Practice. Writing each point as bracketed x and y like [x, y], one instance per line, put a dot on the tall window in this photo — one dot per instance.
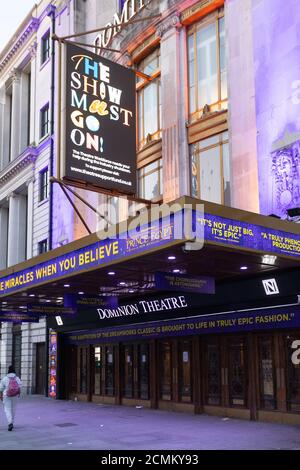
[149, 99]
[207, 65]
[44, 185]
[45, 47]
[211, 169]
[151, 180]
[44, 121]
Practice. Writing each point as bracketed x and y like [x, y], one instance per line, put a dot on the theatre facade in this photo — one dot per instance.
[202, 320]
[160, 335]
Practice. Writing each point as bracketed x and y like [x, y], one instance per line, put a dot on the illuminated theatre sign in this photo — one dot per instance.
[158, 234]
[130, 8]
[100, 136]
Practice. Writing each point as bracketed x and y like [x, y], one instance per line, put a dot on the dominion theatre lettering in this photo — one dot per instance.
[130, 9]
[144, 306]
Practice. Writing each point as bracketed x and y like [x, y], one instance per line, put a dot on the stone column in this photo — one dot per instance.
[242, 111]
[26, 360]
[15, 114]
[2, 121]
[6, 347]
[30, 196]
[17, 223]
[5, 121]
[24, 112]
[3, 236]
[174, 108]
[32, 117]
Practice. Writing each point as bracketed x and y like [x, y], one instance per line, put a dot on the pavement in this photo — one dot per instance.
[45, 424]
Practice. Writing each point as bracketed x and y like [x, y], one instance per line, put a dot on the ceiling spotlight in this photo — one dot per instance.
[131, 291]
[31, 295]
[176, 271]
[80, 293]
[66, 285]
[122, 283]
[269, 259]
[171, 258]
[243, 268]
[111, 273]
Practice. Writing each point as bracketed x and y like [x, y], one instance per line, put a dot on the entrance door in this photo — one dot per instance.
[165, 364]
[135, 371]
[185, 370]
[40, 369]
[143, 371]
[237, 372]
[128, 371]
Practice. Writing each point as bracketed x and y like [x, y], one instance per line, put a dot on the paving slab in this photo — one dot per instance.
[45, 424]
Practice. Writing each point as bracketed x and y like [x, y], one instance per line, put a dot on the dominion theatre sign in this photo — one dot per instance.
[130, 8]
[144, 306]
[152, 236]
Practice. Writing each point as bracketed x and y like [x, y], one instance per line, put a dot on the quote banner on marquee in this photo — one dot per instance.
[99, 122]
[184, 283]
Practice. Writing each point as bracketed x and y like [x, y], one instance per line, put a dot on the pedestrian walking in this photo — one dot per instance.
[10, 389]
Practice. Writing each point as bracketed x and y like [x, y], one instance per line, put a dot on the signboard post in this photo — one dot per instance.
[100, 122]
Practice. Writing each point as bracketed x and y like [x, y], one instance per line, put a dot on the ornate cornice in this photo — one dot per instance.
[32, 49]
[27, 32]
[172, 21]
[15, 75]
[26, 158]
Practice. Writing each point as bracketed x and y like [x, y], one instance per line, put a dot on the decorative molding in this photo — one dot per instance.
[288, 139]
[27, 32]
[50, 10]
[138, 51]
[207, 126]
[32, 49]
[11, 195]
[26, 158]
[15, 75]
[286, 177]
[199, 7]
[31, 180]
[172, 21]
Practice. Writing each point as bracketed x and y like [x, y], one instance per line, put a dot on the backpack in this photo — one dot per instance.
[13, 387]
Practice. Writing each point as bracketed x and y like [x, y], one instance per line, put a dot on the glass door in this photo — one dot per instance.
[109, 371]
[266, 373]
[165, 363]
[212, 367]
[185, 368]
[97, 370]
[237, 372]
[128, 371]
[143, 371]
[83, 369]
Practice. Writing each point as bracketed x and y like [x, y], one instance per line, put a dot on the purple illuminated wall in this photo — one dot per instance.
[276, 49]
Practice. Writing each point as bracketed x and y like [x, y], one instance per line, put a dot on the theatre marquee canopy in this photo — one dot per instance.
[263, 244]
